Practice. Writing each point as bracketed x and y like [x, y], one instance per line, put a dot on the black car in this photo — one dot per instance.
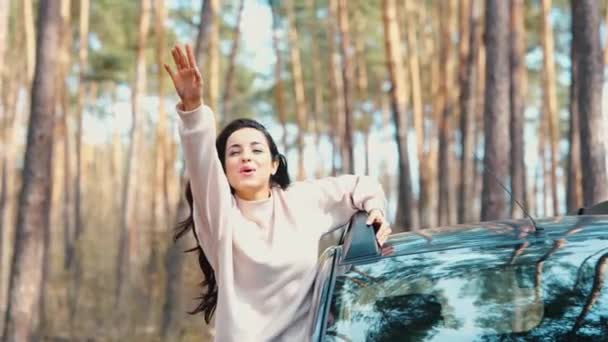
[512, 280]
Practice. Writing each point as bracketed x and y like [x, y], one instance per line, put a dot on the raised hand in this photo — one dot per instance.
[187, 79]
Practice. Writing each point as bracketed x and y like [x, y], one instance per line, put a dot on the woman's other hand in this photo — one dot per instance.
[187, 78]
[377, 219]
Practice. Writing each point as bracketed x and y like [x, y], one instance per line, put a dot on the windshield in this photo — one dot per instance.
[543, 291]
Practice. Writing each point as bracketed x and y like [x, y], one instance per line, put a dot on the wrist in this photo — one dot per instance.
[188, 105]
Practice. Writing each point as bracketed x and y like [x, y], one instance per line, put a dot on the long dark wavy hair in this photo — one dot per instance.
[208, 299]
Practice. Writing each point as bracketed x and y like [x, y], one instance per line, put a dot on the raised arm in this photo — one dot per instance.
[213, 202]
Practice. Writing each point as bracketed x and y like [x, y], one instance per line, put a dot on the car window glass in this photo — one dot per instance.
[548, 291]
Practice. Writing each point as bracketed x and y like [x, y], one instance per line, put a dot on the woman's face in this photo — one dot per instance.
[249, 164]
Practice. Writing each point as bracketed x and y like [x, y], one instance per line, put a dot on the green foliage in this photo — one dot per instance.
[108, 65]
[113, 40]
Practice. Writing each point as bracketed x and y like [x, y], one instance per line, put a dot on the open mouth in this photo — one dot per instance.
[246, 171]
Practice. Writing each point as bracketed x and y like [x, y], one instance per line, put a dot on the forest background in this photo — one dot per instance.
[423, 95]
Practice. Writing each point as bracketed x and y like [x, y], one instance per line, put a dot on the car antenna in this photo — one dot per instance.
[488, 170]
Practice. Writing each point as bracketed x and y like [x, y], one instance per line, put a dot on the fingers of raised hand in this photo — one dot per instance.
[180, 59]
[170, 72]
[185, 61]
[183, 58]
[176, 59]
[192, 62]
[190, 56]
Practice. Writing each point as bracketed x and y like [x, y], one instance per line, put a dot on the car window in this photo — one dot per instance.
[543, 291]
[321, 290]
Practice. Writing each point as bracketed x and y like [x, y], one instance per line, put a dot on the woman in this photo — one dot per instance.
[259, 233]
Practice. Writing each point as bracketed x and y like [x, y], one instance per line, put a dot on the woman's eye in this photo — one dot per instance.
[233, 153]
[257, 151]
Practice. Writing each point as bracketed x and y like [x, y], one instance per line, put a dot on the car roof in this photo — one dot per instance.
[505, 232]
[492, 233]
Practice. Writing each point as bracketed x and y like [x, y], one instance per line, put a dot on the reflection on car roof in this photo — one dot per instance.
[493, 233]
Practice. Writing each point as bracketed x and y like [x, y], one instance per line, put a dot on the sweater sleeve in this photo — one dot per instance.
[213, 201]
[341, 197]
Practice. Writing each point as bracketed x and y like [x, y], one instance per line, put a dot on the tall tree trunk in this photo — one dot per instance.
[159, 206]
[446, 211]
[214, 57]
[74, 258]
[158, 152]
[361, 77]
[127, 243]
[338, 105]
[160, 199]
[361, 117]
[364, 121]
[428, 192]
[428, 189]
[30, 39]
[298, 83]
[4, 11]
[8, 188]
[574, 193]
[76, 267]
[348, 162]
[542, 155]
[207, 49]
[468, 84]
[606, 39]
[496, 152]
[62, 137]
[5, 7]
[414, 67]
[173, 307]
[318, 83]
[82, 62]
[414, 73]
[278, 72]
[517, 91]
[590, 81]
[67, 199]
[34, 200]
[65, 138]
[550, 99]
[406, 217]
[201, 48]
[236, 37]
[41, 325]
[3, 200]
[480, 105]
[117, 159]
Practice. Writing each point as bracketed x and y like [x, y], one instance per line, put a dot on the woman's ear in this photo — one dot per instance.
[275, 166]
